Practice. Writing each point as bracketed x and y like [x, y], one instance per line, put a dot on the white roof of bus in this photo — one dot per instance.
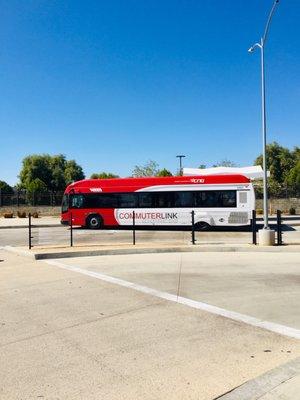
[252, 172]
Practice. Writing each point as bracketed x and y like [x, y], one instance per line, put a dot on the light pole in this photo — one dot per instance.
[180, 156]
[261, 46]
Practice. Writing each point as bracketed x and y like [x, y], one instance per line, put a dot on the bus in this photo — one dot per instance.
[217, 200]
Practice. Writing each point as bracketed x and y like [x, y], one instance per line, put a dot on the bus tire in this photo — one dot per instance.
[202, 226]
[94, 221]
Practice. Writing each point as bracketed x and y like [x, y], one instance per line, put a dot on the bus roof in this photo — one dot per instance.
[134, 184]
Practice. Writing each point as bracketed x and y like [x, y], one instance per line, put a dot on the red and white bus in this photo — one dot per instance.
[217, 200]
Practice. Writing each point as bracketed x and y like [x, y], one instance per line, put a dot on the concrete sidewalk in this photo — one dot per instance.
[13, 223]
[69, 336]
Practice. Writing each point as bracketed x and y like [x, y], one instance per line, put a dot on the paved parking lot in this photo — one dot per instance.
[262, 285]
[68, 334]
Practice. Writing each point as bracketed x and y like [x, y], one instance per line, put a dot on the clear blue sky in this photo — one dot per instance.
[116, 83]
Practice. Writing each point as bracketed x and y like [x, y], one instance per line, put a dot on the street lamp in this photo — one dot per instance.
[180, 156]
[261, 46]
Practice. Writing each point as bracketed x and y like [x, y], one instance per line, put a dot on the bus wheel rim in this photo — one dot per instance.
[94, 221]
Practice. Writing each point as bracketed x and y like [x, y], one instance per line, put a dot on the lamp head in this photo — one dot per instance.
[252, 48]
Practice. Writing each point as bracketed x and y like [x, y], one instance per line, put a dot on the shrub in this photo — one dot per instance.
[8, 215]
[259, 211]
[292, 211]
[21, 214]
[35, 214]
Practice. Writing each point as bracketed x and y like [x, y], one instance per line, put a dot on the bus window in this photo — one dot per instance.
[77, 201]
[65, 203]
[205, 199]
[184, 199]
[146, 200]
[164, 199]
[107, 200]
[127, 200]
[215, 198]
[229, 198]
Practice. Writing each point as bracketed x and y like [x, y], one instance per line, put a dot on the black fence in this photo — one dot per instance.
[38, 236]
[23, 198]
[72, 236]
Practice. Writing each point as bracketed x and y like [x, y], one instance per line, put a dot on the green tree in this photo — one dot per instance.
[6, 188]
[296, 154]
[34, 190]
[73, 172]
[293, 180]
[164, 172]
[202, 166]
[280, 161]
[36, 186]
[57, 166]
[36, 167]
[149, 169]
[104, 175]
[55, 172]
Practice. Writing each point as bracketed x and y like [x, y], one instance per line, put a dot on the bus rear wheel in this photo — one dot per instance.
[94, 222]
[202, 226]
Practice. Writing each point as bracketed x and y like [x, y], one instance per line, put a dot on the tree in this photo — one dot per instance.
[225, 163]
[57, 165]
[280, 161]
[73, 172]
[6, 188]
[149, 169]
[36, 167]
[36, 186]
[293, 179]
[202, 166]
[54, 173]
[164, 172]
[34, 190]
[104, 175]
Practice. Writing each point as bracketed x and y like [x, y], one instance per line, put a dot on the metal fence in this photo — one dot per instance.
[75, 236]
[24, 198]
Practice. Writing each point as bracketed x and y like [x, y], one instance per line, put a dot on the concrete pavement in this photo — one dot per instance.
[261, 285]
[14, 223]
[65, 335]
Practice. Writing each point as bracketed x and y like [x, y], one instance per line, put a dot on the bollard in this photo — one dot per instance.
[279, 228]
[193, 227]
[253, 226]
[29, 231]
[71, 230]
[133, 227]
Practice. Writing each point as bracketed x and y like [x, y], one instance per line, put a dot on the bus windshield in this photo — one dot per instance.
[65, 203]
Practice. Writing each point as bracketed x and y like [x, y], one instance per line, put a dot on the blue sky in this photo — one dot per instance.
[115, 83]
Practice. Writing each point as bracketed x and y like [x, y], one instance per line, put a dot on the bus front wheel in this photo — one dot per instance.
[202, 226]
[94, 222]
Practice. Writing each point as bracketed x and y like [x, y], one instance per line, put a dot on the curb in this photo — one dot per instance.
[265, 383]
[153, 250]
